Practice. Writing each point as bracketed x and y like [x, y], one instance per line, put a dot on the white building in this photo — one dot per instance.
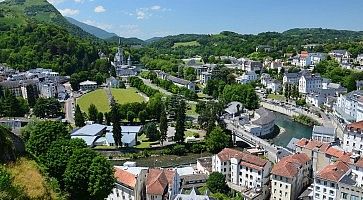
[309, 83]
[346, 107]
[353, 138]
[205, 77]
[274, 86]
[247, 77]
[290, 176]
[342, 56]
[291, 78]
[162, 184]
[262, 123]
[324, 134]
[265, 79]
[87, 85]
[129, 183]
[243, 170]
[360, 59]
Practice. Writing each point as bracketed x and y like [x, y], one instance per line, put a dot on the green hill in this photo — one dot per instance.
[126, 41]
[100, 33]
[15, 13]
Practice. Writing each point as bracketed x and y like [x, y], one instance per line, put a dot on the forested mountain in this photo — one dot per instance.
[100, 33]
[15, 13]
[126, 41]
[230, 43]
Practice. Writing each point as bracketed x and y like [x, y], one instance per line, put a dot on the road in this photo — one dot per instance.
[69, 104]
[148, 83]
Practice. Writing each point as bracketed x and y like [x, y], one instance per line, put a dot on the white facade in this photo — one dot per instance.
[353, 138]
[247, 77]
[309, 83]
[87, 85]
[274, 85]
[347, 108]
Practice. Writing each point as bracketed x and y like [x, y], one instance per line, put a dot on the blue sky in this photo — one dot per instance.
[150, 18]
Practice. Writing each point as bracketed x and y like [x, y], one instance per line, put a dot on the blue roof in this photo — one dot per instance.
[89, 130]
[127, 138]
[127, 129]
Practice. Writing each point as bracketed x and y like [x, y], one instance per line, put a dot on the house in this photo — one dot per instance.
[346, 107]
[178, 81]
[324, 134]
[265, 79]
[360, 59]
[19, 88]
[112, 82]
[190, 178]
[291, 78]
[247, 77]
[205, 77]
[342, 56]
[204, 165]
[193, 195]
[87, 85]
[264, 48]
[308, 83]
[353, 138]
[243, 170]
[274, 86]
[250, 65]
[234, 109]
[290, 176]
[129, 184]
[161, 184]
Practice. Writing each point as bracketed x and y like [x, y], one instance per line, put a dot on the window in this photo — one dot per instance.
[344, 195]
[332, 184]
[331, 192]
[317, 195]
[324, 190]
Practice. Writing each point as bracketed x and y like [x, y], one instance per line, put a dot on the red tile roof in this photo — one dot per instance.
[125, 177]
[158, 180]
[356, 126]
[359, 163]
[289, 166]
[333, 172]
[312, 144]
[227, 154]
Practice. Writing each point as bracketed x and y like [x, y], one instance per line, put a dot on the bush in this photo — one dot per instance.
[197, 148]
[179, 150]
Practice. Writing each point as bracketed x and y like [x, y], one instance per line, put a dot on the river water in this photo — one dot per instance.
[290, 129]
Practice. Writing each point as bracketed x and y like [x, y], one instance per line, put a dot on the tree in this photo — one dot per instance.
[32, 95]
[180, 121]
[216, 183]
[58, 155]
[101, 178]
[142, 116]
[163, 126]
[242, 93]
[12, 106]
[217, 140]
[47, 108]
[78, 117]
[43, 134]
[131, 116]
[100, 118]
[108, 118]
[151, 131]
[92, 113]
[77, 173]
[154, 106]
[116, 125]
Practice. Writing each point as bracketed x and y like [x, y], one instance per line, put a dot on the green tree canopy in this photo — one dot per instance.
[217, 140]
[216, 183]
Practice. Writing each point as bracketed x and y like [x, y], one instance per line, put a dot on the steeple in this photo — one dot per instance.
[129, 62]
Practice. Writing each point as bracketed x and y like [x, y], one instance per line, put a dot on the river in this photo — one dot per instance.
[290, 129]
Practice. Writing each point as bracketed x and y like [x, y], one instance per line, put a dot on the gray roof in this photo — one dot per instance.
[90, 130]
[292, 143]
[88, 139]
[127, 138]
[292, 75]
[354, 94]
[232, 107]
[194, 195]
[324, 130]
[265, 116]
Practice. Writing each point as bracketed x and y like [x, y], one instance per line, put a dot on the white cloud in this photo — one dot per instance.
[79, 1]
[129, 30]
[145, 13]
[99, 25]
[69, 12]
[100, 9]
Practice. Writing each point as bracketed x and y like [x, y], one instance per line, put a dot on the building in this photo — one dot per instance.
[250, 65]
[113, 82]
[19, 88]
[193, 195]
[265, 79]
[247, 77]
[309, 83]
[342, 56]
[324, 134]
[161, 184]
[263, 48]
[204, 165]
[290, 176]
[190, 178]
[123, 68]
[321, 153]
[360, 59]
[129, 184]
[346, 107]
[101, 135]
[353, 138]
[262, 123]
[205, 77]
[274, 86]
[87, 85]
[291, 78]
[243, 170]
[177, 81]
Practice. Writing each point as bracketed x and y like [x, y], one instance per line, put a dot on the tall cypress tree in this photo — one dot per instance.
[163, 126]
[32, 95]
[116, 125]
[180, 121]
[92, 113]
[78, 117]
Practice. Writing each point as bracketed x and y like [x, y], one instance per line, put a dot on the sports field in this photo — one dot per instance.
[128, 95]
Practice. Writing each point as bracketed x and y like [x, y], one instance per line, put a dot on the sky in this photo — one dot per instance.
[154, 18]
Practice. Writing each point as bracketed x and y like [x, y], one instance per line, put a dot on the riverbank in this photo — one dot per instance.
[303, 119]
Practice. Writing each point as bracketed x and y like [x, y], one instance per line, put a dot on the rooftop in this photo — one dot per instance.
[157, 181]
[263, 117]
[334, 172]
[289, 166]
[324, 130]
[227, 154]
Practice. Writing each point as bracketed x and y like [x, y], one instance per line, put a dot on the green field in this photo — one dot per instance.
[128, 95]
[97, 97]
[191, 109]
[186, 44]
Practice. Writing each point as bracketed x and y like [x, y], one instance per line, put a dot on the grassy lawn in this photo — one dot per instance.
[144, 142]
[97, 97]
[27, 175]
[189, 133]
[191, 109]
[128, 95]
[276, 97]
[186, 44]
